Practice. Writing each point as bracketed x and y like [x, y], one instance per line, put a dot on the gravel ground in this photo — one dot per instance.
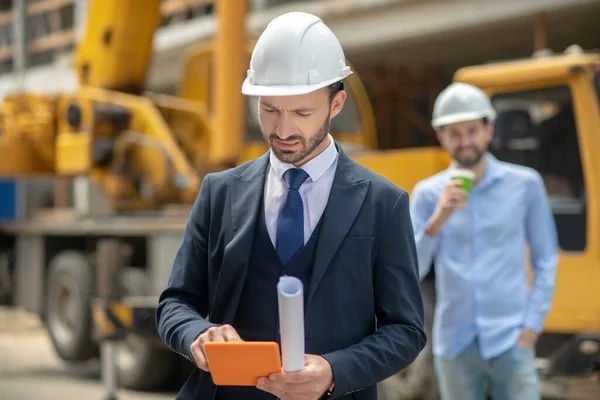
[30, 370]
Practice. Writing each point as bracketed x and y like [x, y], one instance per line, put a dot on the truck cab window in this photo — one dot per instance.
[538, 129]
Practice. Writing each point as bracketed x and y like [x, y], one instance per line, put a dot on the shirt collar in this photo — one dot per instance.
[315, 168]
[493, 170]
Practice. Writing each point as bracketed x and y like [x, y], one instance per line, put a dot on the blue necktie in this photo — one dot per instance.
[290, 225]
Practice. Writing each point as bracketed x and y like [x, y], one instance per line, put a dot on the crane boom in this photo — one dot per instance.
[132, 146]
[116, 48]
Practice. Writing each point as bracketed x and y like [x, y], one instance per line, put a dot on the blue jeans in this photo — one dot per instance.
[509, 376]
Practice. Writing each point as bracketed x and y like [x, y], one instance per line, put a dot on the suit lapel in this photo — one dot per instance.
[246, 194]
[348, 193]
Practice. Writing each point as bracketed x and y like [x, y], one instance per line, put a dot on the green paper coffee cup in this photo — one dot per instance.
[466, 176]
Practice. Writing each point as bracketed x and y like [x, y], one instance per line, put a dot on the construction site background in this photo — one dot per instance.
[404, 53]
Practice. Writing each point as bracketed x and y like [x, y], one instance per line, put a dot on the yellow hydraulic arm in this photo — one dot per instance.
[108, 131]
[147, 150]
[116, 48]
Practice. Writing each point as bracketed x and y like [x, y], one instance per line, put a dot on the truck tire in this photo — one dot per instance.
[143, 364]
[418, 381]
[69, 292]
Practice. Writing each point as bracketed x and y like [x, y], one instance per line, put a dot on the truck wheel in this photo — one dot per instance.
[70, 289]
[144, 366]
[418, 381]
[142, 363]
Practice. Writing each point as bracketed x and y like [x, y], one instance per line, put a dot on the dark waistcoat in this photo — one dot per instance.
[257, 317]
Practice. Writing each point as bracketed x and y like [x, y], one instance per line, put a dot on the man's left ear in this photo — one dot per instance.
[337, 103]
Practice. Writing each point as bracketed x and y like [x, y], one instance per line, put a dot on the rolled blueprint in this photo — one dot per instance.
[291, 322]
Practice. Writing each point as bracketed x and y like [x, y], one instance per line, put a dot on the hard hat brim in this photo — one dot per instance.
[249, 89]
[462, 117]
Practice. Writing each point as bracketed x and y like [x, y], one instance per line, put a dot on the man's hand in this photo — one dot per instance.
[225, 333]
[527, 339]
[451, 199]
[308, 384]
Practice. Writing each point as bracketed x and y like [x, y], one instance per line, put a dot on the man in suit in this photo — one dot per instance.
[303, 209]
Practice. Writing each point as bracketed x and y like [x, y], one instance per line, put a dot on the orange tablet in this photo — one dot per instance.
[241, 363]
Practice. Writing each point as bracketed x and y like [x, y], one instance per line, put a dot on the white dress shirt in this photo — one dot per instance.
[314, 191]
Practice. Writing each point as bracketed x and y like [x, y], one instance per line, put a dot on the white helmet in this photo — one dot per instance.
[461, 102]
[296, 54]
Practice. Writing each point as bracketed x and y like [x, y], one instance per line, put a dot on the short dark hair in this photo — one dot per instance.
[334, 88]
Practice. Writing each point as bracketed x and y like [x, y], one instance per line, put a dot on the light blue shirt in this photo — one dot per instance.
[480, 258]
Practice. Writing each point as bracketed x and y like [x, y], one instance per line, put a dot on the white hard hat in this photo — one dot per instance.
[461, 102]
[296, 54]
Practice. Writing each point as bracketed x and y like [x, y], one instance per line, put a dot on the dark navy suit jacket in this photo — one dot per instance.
[364, 311]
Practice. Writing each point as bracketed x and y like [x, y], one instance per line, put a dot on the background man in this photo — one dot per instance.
[303, 209]
[486, 321]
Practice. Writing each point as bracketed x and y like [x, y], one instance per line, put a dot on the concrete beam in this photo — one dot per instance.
[363, 27]
[359, 24]
[366, 25]
[428, 19]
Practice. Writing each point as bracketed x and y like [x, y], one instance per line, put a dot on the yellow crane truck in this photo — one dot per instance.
[548, 119]
[112, 161]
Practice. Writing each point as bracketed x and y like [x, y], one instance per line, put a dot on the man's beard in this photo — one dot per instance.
[306, 146]
[470, 161]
